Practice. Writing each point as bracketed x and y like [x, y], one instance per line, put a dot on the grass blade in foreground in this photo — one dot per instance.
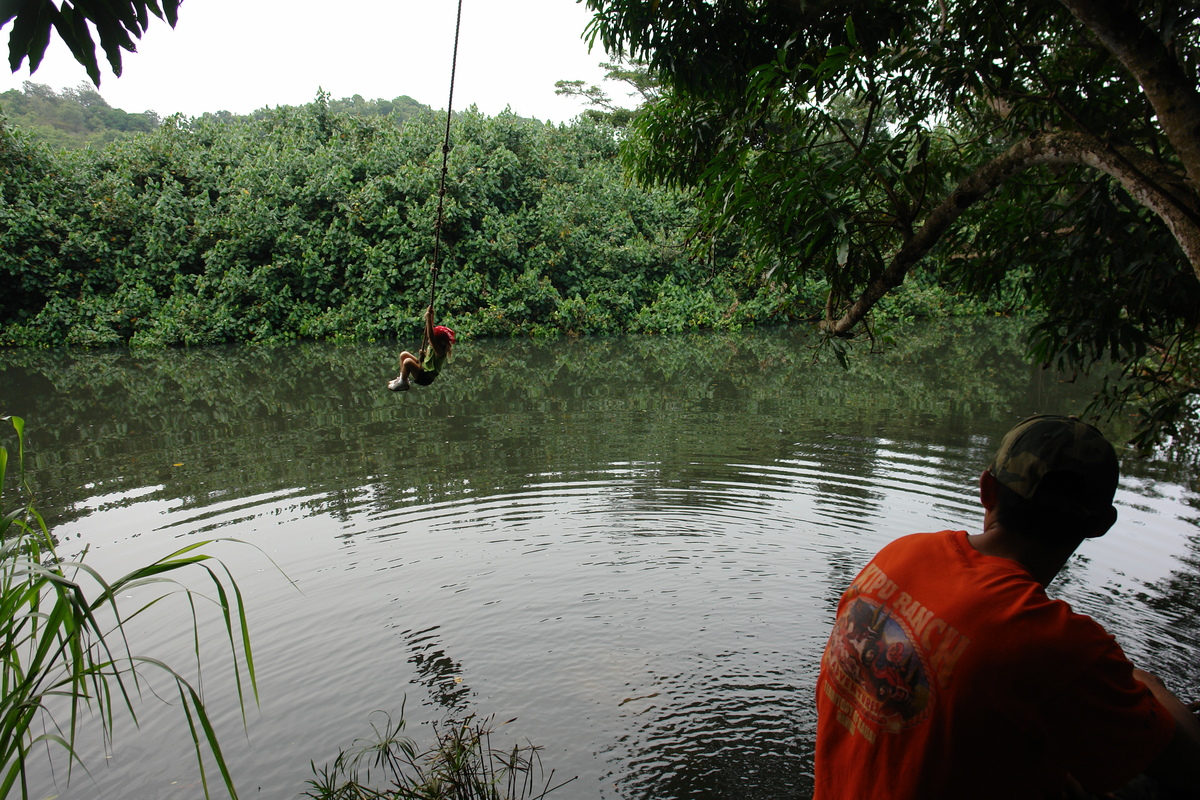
[55, 648]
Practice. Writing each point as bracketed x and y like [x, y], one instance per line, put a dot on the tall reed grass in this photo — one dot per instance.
[66, 661]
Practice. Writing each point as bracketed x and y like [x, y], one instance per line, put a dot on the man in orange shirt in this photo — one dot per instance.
[951, 674]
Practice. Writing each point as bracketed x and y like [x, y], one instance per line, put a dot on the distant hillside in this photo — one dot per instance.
[72, 119]
[401, 109]
[77, 118]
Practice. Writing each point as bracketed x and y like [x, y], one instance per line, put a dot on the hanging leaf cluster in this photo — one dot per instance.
[118, 23]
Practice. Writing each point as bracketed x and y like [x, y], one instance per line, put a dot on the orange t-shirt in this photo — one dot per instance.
[951, 674]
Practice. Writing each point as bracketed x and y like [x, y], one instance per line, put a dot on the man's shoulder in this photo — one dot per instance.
[925, 539]
[987, 593]
[947, 542]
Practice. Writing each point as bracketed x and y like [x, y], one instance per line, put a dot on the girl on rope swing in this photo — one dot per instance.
[424, 366]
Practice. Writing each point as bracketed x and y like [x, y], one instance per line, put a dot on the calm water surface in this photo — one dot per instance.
[633, 547]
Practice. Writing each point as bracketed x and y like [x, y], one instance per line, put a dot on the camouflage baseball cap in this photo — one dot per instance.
[1058, 463]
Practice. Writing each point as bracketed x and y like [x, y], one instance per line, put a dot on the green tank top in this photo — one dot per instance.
[433, 362]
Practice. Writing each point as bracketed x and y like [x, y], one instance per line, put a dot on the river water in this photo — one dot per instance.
[631, 546]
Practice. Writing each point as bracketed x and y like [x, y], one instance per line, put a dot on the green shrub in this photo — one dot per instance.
[306, 223]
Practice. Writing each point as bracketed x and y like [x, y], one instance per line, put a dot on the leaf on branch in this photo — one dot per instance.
[30, 35]
[75, 33]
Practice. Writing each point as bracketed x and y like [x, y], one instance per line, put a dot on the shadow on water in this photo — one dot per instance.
[635, 544]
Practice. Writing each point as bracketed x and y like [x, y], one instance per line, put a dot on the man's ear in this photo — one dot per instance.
[988, 489]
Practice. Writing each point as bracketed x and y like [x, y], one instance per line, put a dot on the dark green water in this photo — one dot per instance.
[632, 546]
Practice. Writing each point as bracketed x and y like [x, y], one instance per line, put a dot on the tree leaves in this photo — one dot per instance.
[309, 223]
[117, 22]
[932, 133]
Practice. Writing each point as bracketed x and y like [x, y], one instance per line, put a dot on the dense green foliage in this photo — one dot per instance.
[310, 224]
[839, 152]
[74, 118]
[870, 142]
[67, 644]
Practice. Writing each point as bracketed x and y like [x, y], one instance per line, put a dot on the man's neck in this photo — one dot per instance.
[1043, 561]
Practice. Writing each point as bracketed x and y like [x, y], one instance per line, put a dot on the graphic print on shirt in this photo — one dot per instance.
[877, 672]
[888, 657]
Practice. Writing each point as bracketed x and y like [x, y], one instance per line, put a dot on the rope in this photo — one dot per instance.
[437, 228]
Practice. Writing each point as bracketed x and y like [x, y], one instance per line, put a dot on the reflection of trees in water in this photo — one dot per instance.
[437, 672]
[244, 421]
[1173, 634]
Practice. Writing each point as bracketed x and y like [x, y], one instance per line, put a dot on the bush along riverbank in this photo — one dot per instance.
[303, 223]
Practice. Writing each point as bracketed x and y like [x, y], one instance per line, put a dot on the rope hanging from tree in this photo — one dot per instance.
[437, 227]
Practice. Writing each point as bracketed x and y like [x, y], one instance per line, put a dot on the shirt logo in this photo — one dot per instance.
[877, 675]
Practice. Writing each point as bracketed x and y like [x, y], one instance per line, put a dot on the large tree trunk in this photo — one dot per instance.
[1146, 180]
[1173, 96]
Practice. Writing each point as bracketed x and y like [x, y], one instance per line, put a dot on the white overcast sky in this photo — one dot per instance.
[241, 55]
